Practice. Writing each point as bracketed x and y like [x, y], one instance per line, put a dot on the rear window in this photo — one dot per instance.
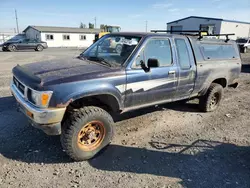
[218, 51]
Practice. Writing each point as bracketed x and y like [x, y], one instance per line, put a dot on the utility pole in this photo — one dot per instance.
[16, 22]
[95, 22]
[146, 25]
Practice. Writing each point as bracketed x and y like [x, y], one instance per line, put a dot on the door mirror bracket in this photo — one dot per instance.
[144, 67]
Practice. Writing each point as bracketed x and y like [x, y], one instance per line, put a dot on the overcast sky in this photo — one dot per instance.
[131, 15]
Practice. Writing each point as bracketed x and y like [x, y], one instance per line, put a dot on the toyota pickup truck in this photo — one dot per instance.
[76, 97]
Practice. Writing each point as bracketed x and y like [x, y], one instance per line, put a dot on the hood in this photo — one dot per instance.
[9, 42]
[61, 70]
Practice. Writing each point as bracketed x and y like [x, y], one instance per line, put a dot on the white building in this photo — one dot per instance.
[62, 36]
[212, 25]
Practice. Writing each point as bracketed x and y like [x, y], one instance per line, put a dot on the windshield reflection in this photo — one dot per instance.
[112, 49]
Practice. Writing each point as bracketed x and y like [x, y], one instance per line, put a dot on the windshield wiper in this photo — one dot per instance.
[99, 60]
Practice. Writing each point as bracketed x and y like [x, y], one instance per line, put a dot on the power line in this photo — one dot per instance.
[16, 22]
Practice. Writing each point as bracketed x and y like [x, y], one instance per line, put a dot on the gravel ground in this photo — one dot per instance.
[172, 145]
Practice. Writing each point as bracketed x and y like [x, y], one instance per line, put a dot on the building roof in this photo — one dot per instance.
[52, 29]
[219, 19]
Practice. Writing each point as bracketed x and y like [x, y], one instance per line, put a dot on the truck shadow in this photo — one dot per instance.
[212, 164]
[181, 106]
[20, 141]
[32, 145]
[199, 164]
[245, 68]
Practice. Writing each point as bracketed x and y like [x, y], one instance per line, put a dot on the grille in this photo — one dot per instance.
[19, 85]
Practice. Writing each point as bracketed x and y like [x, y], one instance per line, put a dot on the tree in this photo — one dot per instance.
[91, 26]
[102, 26]
[82, 25]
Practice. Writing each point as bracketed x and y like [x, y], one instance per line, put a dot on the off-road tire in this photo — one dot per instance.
[206, 101]
[75, 123]
[39, 48]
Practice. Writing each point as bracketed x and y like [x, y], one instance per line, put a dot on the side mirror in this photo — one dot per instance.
[153, 63]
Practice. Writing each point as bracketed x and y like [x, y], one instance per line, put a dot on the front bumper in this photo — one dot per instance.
[46, 119]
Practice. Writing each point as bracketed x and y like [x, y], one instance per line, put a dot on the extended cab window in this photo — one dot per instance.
[218, 51]
[182, 52]
[159, 49]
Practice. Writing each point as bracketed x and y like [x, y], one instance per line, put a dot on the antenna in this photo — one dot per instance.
[16, 22]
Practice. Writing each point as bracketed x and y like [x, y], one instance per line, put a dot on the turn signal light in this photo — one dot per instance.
[45, 99]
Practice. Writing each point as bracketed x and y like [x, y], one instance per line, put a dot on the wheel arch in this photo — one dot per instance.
[221, 81]
[107, 102]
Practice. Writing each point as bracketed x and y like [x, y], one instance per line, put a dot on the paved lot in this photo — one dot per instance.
[173, 145]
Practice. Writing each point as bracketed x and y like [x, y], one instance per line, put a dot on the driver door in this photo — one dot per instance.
[160, 83]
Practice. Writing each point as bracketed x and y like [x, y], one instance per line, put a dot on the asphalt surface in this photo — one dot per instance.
[172, 145]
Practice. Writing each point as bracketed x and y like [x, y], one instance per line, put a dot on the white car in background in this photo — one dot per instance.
[243, 44]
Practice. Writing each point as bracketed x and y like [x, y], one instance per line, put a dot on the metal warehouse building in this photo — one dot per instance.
[62, 36]
[211, 25]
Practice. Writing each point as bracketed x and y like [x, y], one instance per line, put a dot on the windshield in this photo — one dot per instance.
[241, 40]
[112, 49]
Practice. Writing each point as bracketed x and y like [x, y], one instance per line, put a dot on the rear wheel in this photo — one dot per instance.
[39, 48]
[211, 100]
[86, 132]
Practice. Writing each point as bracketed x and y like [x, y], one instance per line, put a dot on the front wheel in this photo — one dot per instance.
[211, 100]
[86, 132]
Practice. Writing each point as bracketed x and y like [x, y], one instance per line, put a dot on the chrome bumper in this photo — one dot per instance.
[44, 119]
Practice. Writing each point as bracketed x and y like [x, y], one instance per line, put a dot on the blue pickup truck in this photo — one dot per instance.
[75, 97]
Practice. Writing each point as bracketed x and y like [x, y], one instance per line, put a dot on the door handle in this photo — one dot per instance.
[171, 72]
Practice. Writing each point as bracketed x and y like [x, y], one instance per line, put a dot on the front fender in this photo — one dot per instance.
[67, 93]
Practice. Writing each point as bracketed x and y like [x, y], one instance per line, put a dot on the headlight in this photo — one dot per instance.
[41, 98]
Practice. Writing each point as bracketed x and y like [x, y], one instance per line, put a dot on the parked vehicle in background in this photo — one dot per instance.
[115, 44]
[76, 97]
[24, 44]
[244, 44]
[106, 30]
